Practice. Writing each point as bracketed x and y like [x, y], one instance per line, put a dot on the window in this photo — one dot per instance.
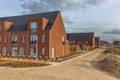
[0, 27]
[63, 40]
[70, 42]
[43, 51]
[4, 51]
[14, 39]
[14, 51]
[86, 42]
[73, 41]
[34, 27]
[43, 38]
[33, 39]
[21, 51]
[5, 38]
[80, 42]
[33, 52]
[0, 38]
[23, 38]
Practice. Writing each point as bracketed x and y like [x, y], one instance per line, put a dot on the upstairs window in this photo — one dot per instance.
[5, 38]
[33, 39]
[14, 39]
[23, 38]
[43, 38]
[34, 27]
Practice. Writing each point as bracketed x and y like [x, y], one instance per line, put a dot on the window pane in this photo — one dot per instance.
[33, 52]
[4, 51]
[14, 51]
[34, 27]
[43, 51]
[21, 51]
[23, 38]
[33, 39]
[14, 39]
[43, 38]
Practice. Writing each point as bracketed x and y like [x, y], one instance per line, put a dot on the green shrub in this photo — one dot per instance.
[117, 50]
[85, 47]
[72, 48]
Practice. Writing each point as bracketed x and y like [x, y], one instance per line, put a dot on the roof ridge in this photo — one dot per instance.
[30, 14]
[81, 33]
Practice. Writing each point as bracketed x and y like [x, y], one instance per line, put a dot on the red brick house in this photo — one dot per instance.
[81, 39]
[34, 35]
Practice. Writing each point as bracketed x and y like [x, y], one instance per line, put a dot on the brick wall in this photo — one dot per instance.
[56, 34]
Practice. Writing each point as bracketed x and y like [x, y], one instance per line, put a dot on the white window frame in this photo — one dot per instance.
[23, 38]
[33, 26]
[43, 51]
[4, 51]
[33, 37]
[5, 38]
[32, 54]
[86, 42]
[14, 51]
[43, 38]
[21, 51]
[15, 38]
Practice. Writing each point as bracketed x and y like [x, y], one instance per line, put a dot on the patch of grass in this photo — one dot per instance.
[117, 50]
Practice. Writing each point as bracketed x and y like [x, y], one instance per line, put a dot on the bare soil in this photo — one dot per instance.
[108, 63]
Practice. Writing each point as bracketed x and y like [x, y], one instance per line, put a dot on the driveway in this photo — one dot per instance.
[77, 68]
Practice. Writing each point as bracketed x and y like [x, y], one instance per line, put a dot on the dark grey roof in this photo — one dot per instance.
[80, 36]
[20, 22]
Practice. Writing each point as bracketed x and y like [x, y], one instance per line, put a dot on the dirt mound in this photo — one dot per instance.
[110, 65]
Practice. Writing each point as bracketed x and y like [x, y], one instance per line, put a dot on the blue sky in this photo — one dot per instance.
[99, 16]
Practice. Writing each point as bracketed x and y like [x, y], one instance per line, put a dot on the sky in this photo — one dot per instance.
[99, 16]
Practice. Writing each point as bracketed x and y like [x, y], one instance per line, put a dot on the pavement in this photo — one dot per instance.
[78, 68]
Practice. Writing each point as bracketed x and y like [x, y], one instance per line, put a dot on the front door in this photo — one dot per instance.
[53, 52]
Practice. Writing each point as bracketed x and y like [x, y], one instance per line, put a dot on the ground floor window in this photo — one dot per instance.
[21, 51]
[33, 52]
[4, 51]
[14, 51]
[43, 51]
